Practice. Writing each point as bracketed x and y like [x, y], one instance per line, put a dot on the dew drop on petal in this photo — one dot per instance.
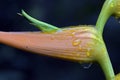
[73, 33]
[76, 42]
[86, 65]
[88, 53]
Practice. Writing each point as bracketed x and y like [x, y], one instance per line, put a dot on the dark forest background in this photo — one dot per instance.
[20, 65]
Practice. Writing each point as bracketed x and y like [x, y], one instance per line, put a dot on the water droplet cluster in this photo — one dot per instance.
[83, 41]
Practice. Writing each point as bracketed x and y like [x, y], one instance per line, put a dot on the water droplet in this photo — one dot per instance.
[73, 33]
[81, 49]
[76, 42]
[86, 29]
[88, 53]
[86, 65]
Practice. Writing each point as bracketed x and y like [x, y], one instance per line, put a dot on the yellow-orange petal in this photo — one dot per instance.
[73, 44]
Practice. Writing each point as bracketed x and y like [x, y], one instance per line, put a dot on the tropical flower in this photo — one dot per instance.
[83, 43]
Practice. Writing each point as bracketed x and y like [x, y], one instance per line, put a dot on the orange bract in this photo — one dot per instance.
[73, 44]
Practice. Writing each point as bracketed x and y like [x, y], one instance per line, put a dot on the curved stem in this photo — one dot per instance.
[110, 7]
[102, 57]
[106, 65]
[106, 12]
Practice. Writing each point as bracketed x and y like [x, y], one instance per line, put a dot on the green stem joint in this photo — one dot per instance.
[110, 8]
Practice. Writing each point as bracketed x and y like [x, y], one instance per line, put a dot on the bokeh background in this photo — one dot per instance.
[20, 65]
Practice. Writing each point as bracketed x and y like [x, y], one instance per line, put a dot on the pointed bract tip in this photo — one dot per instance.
[45, 27]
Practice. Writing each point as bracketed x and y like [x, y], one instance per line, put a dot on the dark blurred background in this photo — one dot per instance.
[20, 65]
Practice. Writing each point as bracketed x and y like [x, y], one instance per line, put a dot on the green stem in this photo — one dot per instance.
[106, 12]
[101, 56]
[110, 7]
[106, 65]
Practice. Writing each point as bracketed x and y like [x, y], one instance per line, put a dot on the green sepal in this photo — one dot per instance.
[45, 27]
